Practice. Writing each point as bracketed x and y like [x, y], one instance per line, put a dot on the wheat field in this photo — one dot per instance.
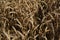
[29, 19]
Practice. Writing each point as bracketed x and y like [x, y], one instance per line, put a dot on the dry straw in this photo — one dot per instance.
[29, 20]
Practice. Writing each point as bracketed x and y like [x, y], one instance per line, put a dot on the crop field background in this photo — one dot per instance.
[29, 19]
